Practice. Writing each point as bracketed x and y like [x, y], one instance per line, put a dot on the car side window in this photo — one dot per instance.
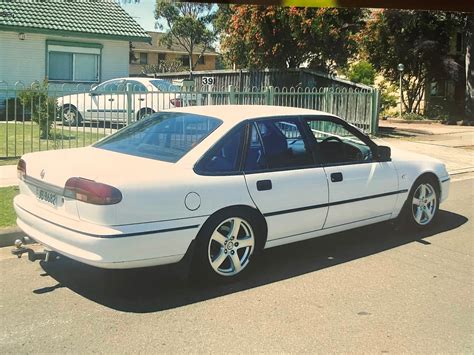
[137, 86]
[336, 144]
[224, 157]
[277, 144]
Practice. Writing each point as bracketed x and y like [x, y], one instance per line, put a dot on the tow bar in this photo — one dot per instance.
[46, 255]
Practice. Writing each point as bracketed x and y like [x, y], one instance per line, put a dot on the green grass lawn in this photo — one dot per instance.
[8, 161]
[7, 214]
[19, 138]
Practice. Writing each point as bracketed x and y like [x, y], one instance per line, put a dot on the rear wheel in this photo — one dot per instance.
[144, 112]
[422, 206]
[226, 246]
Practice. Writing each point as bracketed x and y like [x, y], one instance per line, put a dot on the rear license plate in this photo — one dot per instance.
[47, 197]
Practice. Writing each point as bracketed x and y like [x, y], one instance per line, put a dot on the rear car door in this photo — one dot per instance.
[361, 189]
[289, 189]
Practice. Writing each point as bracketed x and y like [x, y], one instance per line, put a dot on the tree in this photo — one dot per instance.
[362, 72]
[288, 37]
[188, 26]
[417, 39]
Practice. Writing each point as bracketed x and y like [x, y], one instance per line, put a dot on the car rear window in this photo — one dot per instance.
[162, 136]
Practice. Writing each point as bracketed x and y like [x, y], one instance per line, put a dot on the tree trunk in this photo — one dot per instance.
[469, 95]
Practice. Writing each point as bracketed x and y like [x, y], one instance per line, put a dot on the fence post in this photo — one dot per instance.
[326, 99]
[232, 95]
[269, 95]
[374, 122]
[128, 90]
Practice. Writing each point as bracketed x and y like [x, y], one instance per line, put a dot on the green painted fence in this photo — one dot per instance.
[42, 117]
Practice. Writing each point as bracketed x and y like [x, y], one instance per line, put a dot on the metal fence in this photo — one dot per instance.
[42, 117]
[242, 79]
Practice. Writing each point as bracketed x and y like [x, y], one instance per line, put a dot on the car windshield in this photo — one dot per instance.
[164, 85]
[162, 136]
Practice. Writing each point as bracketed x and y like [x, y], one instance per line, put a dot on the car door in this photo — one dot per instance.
[286, 185]
[361, 189]
[140, 99]
[108, 101]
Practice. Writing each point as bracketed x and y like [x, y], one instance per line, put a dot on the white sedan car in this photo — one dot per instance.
[109, 102]
[219, 183]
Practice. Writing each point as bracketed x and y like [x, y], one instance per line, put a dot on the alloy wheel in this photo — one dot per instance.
[231, 246]
[424, 204]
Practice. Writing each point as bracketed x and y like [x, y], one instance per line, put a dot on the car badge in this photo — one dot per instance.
[42, 173]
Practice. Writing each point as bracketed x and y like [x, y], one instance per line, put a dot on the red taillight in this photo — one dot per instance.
[21, 169]
[176, 102]
[89, 191]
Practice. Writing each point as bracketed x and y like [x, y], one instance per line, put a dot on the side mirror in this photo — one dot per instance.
[384, 153]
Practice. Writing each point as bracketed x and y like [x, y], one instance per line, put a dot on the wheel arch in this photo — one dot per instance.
[428, 175]
[239, 208]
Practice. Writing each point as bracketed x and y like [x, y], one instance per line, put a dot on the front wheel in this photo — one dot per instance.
[423, 204]
[71, 117]
[225, 247]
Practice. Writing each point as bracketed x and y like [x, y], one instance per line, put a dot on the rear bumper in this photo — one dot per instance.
[122, 247]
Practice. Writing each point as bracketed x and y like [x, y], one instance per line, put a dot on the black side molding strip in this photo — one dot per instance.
[299, 209]
[447, 179]
[124, 235]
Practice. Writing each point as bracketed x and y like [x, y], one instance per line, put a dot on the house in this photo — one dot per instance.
[157, 57]
[65, 42]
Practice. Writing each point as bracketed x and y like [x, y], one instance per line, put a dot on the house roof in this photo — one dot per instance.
[83, 18]
[157, 46]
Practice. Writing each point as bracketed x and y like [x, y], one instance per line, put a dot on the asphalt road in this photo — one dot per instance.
[370, 290]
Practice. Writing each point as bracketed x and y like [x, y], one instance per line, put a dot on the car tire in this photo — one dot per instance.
[226, 246]
[422, 206]
[144, 112]
[70, 115]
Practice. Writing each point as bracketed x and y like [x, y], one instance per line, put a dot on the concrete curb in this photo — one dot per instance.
[9, 235]
[397, 120]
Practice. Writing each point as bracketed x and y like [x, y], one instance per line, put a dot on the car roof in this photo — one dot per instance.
[236, 113]
[137, 78]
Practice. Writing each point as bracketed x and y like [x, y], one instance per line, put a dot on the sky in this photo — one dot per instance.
[143, 13]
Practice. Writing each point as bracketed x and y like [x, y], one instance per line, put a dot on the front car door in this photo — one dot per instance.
[289, 189]
[362, 190]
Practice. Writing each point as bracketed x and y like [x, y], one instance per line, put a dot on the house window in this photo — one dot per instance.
[143, 58]
[184, 60]
[78, 62]
[201, 60]
[161, 57]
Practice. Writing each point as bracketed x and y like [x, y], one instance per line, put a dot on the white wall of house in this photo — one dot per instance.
[25, 60]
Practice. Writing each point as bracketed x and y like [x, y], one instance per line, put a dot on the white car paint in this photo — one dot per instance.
[96, 105]
[154, 224]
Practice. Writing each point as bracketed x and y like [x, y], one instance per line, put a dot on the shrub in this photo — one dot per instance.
[362, 72]
[44, 109]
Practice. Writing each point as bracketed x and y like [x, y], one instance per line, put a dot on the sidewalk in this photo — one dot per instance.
[453, 145]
